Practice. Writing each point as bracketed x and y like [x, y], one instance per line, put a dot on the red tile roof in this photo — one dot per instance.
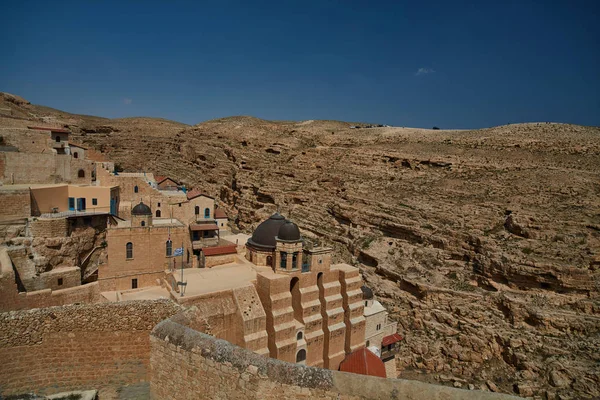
[220, 213]
[46, 128]
[159, 178]
[192, 194]
[363, 362]
[387, 340]
[219, 250]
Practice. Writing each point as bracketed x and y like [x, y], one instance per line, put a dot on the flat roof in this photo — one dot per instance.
[158, 222]
[239, 239]
[50, 129]
[149, 293]
[49, 185]
[223, 277]
[377, 307]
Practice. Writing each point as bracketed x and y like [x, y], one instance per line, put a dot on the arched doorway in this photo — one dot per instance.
[158, 213]
[270, 261]
[301, 356]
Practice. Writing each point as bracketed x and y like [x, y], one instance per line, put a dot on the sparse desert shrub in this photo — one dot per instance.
[462, 286]
[367, 242]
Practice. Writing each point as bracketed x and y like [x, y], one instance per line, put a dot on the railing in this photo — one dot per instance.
[76, 213]
[385, 353]
[201, 219]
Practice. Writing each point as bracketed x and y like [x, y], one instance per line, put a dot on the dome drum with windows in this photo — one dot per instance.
[141, 215]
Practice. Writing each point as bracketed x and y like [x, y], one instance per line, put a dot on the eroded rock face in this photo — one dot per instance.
[482, 244]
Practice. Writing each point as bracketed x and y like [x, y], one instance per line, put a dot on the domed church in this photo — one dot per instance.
[276, 243]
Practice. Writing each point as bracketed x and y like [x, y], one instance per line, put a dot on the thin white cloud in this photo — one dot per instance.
[127, 101]
[424, 71]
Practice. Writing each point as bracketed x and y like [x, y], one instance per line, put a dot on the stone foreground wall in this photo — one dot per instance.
[187, 364]
[15, 204]
[54, 349]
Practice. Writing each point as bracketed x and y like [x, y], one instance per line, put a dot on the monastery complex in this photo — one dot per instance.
[80, 232]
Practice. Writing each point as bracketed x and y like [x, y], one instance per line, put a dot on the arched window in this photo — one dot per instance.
[170, 248]
[158, 214]
[129, 250]
[283, 262]
[207, 213]
[270, 261]
[57, 139]
[197, 210]
[301, 356]
[135, 189]
[81, 173]
[299, 336]
[294, 260]
[75, 155]
[143, 223]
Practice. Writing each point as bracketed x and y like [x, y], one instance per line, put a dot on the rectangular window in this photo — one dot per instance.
[134, 283]
[283, 262]
[71, 203]
[94, 202]
[378, 326]
[294, 260]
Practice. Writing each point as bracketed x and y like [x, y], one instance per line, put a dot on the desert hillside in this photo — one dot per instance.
[484, 244]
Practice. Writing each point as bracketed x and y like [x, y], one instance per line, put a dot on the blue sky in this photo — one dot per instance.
[452, 64]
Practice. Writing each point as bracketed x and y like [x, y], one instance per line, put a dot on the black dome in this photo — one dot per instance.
[289, 232]
[367, 292]
[141, 209]
[264, 234]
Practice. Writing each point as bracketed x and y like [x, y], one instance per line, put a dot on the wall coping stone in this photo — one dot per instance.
[367, 387]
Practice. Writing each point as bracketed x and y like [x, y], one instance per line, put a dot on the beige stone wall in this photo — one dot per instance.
[77, 164]
[49, 227]
[259, 258]
[69, 276]
[175, 206]
[212, 261]
[11, 299]
[373, 335]
[28, 168]
[80, 152]
[15, 204]
[351, 282]
[55, 349]
[149, 255]
[215, 369]
[26, 140]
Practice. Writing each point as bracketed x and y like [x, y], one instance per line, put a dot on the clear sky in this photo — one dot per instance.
[452, 64]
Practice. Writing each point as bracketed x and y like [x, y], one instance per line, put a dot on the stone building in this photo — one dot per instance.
[141, 250]
[283, 299]
[380, 333]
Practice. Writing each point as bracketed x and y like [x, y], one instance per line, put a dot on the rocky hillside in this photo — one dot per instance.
[484, 244]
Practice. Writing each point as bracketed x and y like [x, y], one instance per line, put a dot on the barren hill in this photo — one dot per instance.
[484, 244]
